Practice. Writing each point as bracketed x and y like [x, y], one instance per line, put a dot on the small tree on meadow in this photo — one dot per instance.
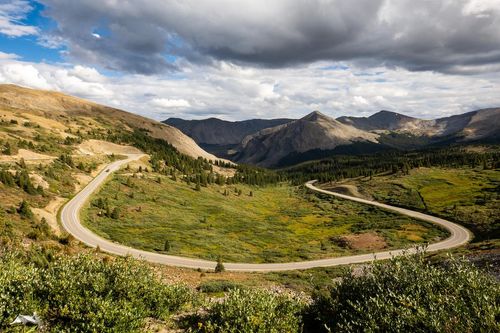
[115, 214]
[219, 268]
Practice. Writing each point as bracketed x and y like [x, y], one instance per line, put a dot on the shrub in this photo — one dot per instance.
[86, 294]
[408, 294]
[17, 282]
[252, 311]
[218, 286]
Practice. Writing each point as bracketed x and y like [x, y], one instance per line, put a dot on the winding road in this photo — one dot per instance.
[71, 222]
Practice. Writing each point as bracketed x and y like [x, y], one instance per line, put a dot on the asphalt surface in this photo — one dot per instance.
[71, 222]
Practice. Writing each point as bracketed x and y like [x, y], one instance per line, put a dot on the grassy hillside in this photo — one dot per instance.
[52, 144]
[467, 196]
[243, 223]
[62, 114]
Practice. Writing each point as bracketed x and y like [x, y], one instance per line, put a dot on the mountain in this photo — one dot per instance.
[317, 136]
[58, 111]
[312, 132]
[382, 120]
[214, 131]
[475, 125]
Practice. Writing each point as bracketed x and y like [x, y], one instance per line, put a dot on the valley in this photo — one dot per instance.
[249, 166]
[241, 223]
[172, 198]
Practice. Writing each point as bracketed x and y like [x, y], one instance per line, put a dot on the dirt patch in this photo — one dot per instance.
[50, 213]
[38, 180]
[93, 147]
[366, 241]
[143, 163]
[81, 180]
[351, 190]
[44, 122]
[29, 157]
[227, 172]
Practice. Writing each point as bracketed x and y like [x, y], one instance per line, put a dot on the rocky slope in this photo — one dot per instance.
[215, 131]
[314, 131]
[473, 125]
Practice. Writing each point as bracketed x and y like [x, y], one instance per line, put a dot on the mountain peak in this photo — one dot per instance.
[315, 116]
[386, 115]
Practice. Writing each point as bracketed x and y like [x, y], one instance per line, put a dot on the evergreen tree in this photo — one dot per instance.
[219, 268]
[115, 214]
[24, 210]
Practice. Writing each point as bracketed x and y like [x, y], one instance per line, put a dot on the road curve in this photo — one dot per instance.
[71, 222]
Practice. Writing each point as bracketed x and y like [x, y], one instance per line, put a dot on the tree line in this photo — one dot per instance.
[345, 166]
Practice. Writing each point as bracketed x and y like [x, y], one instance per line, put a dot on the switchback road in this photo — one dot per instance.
[71, 222]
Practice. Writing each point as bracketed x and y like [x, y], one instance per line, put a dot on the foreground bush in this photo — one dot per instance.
[17, 283]
[252, 311]
[86, 294]
[407, 294]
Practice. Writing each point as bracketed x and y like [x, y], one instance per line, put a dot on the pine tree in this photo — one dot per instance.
[115, 214]
[219, 268]
[24, 210]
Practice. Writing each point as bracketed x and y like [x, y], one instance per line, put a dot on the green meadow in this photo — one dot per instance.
[467, 196]
[243, 223]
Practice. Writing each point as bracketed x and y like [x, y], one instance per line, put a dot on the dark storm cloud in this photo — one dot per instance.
[136, 36]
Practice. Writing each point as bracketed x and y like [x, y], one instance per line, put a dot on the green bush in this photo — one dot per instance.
[17, 283]
[408, 294]
[218, 286]
[252, 311]
[86, 294]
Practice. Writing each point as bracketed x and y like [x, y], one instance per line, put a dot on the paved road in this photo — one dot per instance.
[71, 222]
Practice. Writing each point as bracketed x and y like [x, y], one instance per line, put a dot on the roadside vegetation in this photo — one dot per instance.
[243, 223]
[89, 293]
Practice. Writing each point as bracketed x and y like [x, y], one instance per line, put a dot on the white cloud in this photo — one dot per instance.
[11, 15]
[7, 56]
[239, 93]
[26, 75]
[88, 74]
[170, 103]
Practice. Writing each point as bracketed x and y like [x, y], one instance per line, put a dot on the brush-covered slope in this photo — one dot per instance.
[215, 131]
[314, 131]
[62, 112]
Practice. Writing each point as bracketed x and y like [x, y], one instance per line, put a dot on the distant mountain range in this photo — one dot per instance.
[215, 131]
[282, 142]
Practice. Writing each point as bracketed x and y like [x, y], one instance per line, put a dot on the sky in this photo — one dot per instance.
[249, 59]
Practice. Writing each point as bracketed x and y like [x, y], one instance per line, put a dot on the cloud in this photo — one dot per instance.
[170, 103]
[26, 75]
[6, 56]
[12, 12]
[78, 80]
[459, 37]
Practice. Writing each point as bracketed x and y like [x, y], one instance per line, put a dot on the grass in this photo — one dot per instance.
[274, 224]
[467, 196]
